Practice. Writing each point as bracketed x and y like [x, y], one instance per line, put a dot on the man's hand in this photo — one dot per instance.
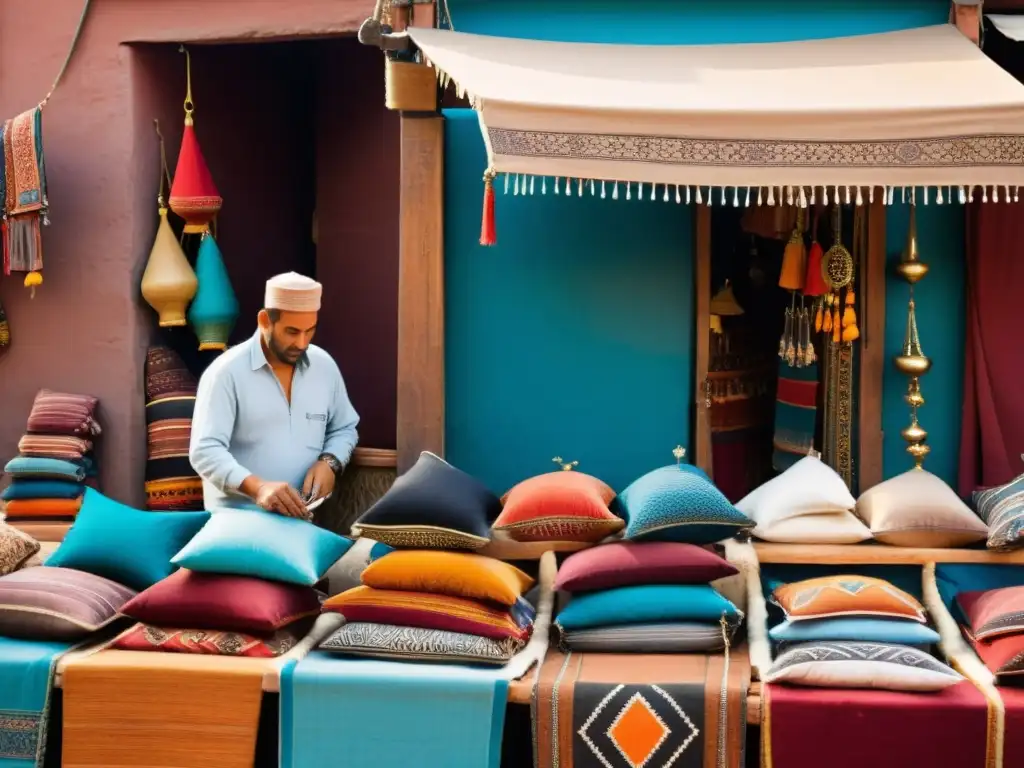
[319, 481]
[281, 498]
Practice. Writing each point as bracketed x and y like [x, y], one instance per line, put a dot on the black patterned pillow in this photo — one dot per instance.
[861, 665]
[386, 641]
[671, 637]
[1002, 509]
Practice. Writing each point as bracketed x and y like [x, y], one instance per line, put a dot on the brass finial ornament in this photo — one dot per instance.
[566, 466]
[679, 452]
[911, 268]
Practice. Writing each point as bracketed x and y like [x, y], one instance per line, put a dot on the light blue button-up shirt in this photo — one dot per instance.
[244, 425]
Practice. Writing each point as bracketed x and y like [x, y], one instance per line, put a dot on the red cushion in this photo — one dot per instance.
[223, 602]
[1004, 656]
[993, 612]
[625, 563]
[559, 506]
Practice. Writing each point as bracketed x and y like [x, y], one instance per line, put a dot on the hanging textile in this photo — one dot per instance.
[5, 332]
[24, 183]
[796, 414]
[992, 435]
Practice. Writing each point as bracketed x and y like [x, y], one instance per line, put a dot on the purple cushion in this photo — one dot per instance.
[628, 563]
[45, 603]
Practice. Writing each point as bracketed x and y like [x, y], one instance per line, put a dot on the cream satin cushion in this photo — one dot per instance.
[826, 528]
[917, 509]
[809, 487]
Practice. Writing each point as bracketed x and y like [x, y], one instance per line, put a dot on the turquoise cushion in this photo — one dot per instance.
[42, 489]
[49, 469]
[250, 542]
[129, 546]
[679, 503]
[647, 603]
[861, 629]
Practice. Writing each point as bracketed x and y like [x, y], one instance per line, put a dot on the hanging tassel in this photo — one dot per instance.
[837, 325]
[850, 330]
[794, 259]
[488, 234]
[818, 318]
[826, 325]
[32, 281]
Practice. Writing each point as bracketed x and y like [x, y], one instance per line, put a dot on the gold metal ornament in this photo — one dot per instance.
[566, 466]
[679, 452]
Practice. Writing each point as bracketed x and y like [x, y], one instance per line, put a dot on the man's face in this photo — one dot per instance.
[290, 335]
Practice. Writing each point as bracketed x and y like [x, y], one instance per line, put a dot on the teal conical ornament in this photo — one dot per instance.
[214, 310]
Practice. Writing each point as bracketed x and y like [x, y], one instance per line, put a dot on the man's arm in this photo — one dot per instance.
[341, 436]
[212, 424]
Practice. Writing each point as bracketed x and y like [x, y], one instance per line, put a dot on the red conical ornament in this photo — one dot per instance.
[814, 283]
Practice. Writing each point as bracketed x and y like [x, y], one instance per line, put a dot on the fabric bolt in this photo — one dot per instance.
[1002, 509]
[559, 506]
[16, 548]
[42, 489]
[846, 595]
[54, 446]
[210, 642]
[647, 603]
[169, 427]
[26, 679]
[36, 468]
[60, 413]
[384, 641]
[627, 563]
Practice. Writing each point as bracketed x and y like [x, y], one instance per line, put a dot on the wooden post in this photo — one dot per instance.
[967, 17]
[702, 339]
[872, 349]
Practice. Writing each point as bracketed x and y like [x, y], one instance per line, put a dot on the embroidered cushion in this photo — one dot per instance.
[1003, 655]
[861, 665]
[42, 489]
[209, 642]
[57, 603]
[809, 487]
[559, 506]
[419, 644]
[16, 548]
[432, 506]
[831, 596]
[855, 628]
[917, 509]
[221, 601]
[458, 574]
[649, 603]
[625, 563]
[418, 609]
[675, 637]
[251, 542]
[825, 528]
[127, 545]
[38, 468]
[994, 612]
[676, 503]
[1002, 509]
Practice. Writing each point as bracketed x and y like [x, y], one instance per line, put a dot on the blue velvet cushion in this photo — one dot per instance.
[679, 503]
[647, 603]
[126, 545]
[859, 629]
[42, 489]
[41, 468]
[250, 542]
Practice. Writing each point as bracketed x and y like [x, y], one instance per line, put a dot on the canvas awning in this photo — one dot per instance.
[922, 107]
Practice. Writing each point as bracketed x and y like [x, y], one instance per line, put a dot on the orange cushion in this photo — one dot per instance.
[559, 506]
[847, 595]
[458, 574]
[26, 508]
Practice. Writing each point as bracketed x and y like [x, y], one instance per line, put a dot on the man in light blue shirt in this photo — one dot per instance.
[273, 426]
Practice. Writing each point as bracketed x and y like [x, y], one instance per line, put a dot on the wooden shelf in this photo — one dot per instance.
[506, 549]
[876, 554]
[42, 531]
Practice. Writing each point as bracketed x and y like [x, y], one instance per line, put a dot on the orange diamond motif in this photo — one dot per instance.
[638, 731]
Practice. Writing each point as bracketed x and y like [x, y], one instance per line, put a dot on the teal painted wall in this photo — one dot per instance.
[574, 335]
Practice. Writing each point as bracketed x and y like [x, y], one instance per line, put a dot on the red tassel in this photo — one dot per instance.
[488, 235]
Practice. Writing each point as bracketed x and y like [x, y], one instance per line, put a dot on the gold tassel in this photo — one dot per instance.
[32, 280]
[817, 319]
[851, 332]
[849, 315]
[827, 322]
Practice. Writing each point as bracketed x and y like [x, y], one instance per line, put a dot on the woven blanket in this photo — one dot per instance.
[796, 411]
[605, 710]
[26, 678]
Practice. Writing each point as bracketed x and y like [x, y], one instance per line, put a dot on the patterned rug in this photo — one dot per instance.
[604, 710]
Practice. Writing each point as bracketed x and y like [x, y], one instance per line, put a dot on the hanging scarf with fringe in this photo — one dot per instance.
[24, 195]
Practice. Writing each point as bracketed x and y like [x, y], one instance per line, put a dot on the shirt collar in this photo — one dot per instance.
[258, 358]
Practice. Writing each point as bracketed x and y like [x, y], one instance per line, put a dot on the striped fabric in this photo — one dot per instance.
[796, 413]
[1002, 509]
[60, 413]
[54, 446]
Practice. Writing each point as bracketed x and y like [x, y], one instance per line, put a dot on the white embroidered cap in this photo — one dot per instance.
[292, 292]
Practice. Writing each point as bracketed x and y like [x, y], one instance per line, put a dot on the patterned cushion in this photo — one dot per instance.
[60, 413]
[221, 601]
[676, 637]
[210, 642]
[994, 612]
[559, 506]
[624, 563]
[54, 446]
[419, 644]
[175, 494]
[676, 503]
[418, 609]
[861, 665]
[432, 506]
[57, 603]
[15, 548]
[831, 596]
[34, 467]
[459, 574]
[1002, 509]
[809, 487]
[1003, 655]
[251, 542]
[654, 603]
[129, 546]
[854, 628]
[917, 509]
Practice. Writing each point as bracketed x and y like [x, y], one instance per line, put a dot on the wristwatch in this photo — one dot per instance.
[331, 461]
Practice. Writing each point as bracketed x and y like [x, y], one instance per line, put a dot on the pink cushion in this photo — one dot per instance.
[995, 612]
[625, 563]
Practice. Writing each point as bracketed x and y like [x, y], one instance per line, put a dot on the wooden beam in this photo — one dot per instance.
[872, 349]
[702, 338]
[420, 408]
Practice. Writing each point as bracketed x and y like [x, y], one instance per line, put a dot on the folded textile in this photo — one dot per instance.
[143, 637]
[42, 509]
[42, 489]
[678, 637]
[30, 467]
[167, 375]
[26, 677]
[60, 413]
[178, 494]
[54, 446]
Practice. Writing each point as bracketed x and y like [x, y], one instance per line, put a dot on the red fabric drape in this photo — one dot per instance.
[992, 438]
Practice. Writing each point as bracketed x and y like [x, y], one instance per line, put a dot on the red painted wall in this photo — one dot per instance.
[87, 329]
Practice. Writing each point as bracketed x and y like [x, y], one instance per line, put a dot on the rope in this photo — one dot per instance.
[71, 52]
[165, 174]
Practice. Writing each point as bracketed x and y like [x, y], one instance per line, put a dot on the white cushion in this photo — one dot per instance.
[826, 528]
[809, 487]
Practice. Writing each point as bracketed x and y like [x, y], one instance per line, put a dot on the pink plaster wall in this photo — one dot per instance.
[87, 330]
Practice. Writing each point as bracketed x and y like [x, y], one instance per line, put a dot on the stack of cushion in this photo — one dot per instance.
[807, 504]
[995, 627]
[171, 483]
[655, 597]
[855, 632]
[1002, 509]
[434, 605]
[55, 459]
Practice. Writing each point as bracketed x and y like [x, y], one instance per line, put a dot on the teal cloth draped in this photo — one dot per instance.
[364, 713]
[26, 677]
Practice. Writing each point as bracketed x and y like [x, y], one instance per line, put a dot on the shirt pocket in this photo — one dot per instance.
[316, 428]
